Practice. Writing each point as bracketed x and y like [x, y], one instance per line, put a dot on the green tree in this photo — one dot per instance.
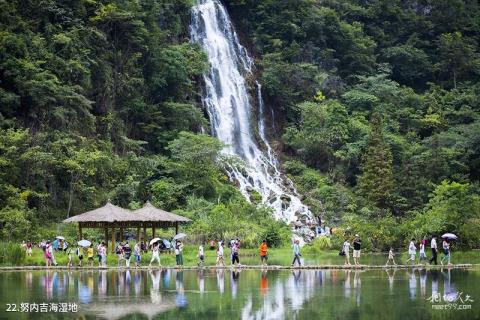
[195, 161]
[453, 207]
[376, 181]
[458, 56]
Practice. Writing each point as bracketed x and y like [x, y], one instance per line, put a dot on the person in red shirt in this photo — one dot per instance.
[263, 252]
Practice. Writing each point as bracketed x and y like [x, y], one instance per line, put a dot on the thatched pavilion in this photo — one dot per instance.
[113, 217]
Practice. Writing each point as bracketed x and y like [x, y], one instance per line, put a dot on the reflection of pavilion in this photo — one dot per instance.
[113, 311]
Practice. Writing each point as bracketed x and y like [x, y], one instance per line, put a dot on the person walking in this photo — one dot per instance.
[90, 255]
[263, 253]
[446, 251]
[52, 254]
[231, 243]
[103, 254]
[346, 253]
[119, 252]
[178, 253]
[433, 246]
[220, 254]
[423, 256]
[48, 254]
[155, 254]
[412, 251]
[235, 251]
[137, 251]
[296, 253]
[29, 247]
[70, 258]
[357, 247]
[79, 253]
[201, 256]
[391, 257]
[127, 253]
[99, 256]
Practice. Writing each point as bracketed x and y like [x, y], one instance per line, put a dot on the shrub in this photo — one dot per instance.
[321, 243]
[11, 253]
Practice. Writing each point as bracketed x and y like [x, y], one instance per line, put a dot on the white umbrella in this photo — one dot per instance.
[179, 236]
[84, 243]
[450, 236]
[60, 238]
[154, 240]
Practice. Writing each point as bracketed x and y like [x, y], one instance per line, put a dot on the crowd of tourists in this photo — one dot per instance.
[412, 252]
[125, 252]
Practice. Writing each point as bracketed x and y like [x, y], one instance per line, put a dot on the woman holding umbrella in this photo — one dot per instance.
[178, 253]
[446, 246]
[446, 251]
[155, 252]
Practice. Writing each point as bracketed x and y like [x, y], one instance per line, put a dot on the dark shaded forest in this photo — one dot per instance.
[376, 103]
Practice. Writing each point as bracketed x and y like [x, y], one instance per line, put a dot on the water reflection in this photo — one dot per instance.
[180, 298]
[221, 280]
[234, 277]
[252, 294]
[391, 277]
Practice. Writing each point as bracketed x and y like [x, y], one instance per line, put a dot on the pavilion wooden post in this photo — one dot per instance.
[153, 232]
[121, 234]
[138, 234]
[176, 227]
[144, 236]
[106, 238]
[79, 231]
[113, 239]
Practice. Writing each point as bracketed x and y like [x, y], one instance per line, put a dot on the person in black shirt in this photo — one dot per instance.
[127, 252]
[357, 245]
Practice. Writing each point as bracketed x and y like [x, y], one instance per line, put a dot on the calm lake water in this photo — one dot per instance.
[246, 294]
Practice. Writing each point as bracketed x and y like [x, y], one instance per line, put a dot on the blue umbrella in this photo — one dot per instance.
[166, 243]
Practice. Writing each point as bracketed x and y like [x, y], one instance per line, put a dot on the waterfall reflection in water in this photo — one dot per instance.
[249, 294]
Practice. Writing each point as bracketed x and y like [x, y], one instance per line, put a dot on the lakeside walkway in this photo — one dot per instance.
[249, 267]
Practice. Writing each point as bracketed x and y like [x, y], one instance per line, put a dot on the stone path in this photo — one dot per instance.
[253, 267]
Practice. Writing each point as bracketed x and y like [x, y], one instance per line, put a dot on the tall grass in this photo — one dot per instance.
[11, 254]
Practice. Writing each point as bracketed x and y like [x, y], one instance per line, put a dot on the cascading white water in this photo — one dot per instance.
[227, 102]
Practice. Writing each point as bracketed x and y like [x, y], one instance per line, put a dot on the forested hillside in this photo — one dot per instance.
[381, 105]
[377, 113]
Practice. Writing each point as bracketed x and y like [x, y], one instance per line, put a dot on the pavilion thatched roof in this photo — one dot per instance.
[152, 213]
[112, 213]
[107, 213]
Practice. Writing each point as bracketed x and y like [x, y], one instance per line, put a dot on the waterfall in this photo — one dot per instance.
[228, 103]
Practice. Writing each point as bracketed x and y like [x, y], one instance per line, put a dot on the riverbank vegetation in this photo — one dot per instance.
[378, 104]
[376, 115]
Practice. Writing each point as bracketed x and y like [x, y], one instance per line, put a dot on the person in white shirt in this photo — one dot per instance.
[423, 256]
[412, 251]
[346, 252]
[201, 256]
[155, 254]
[220, 254]
[433, 246]
[391, 257]
[446, 251]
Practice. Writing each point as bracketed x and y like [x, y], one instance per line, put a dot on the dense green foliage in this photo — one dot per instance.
[376, 103]
[99, 100]
[380, 102]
